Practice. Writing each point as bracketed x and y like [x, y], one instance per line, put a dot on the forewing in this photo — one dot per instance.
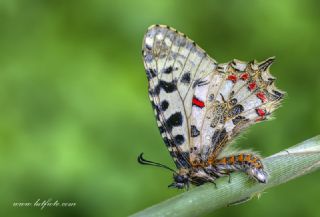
[175, 68]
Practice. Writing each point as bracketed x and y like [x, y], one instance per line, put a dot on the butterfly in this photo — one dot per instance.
[202, 105]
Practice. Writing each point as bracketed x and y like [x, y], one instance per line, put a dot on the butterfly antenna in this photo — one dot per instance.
[143, 161]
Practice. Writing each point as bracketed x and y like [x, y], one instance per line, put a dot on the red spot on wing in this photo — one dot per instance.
[232, 78]
[252, 86]
[261, 112]
[262, 96]
[244, 76]
[197, 102]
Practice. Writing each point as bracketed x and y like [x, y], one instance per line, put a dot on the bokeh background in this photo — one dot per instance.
[74, 109]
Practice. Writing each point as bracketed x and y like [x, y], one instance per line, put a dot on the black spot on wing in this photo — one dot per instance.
[195, 83]
[161, 129]
[173, 121]
[167, 141]
[148, 56]
[148, 47]
[234, 66]
[211, 97]
[150, 92]
[168, 70]
[235, 110]
[271, 80]
[277, 95]
[178, 139]
[233, 101]
[168, 87]
[164, 105]
[194, 131]
[220, 68]
[156, 90]
[185, 78]
[266, 64]
[238, 119]
[232, 94]
[198, 82]
[151, 73]
[218, 136]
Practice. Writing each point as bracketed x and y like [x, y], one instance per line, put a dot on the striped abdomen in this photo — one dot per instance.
[247, 163]
[240, 161]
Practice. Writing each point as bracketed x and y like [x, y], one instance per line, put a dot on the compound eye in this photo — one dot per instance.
[178, 178]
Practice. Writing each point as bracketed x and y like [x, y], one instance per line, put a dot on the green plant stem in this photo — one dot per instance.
[281, 167]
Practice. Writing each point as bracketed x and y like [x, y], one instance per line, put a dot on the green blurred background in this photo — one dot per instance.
[75, 111]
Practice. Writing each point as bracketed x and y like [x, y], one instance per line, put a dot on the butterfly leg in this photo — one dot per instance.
[215, 184]
[229, 180]
[187, 186]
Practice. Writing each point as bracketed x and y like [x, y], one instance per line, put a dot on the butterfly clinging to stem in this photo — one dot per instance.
[201, 106]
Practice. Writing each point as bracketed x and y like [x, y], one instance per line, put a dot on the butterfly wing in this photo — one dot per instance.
[175, 67]
[239, 95]
[199, 105]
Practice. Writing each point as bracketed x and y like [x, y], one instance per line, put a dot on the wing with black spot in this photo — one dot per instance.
[239, 95]
[200, 105]
[175, 66]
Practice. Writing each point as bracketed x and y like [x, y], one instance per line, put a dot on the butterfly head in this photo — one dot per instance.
[181, 180]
